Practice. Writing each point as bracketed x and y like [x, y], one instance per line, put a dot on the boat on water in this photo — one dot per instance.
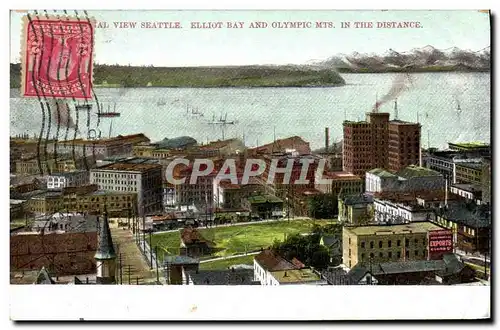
[86, 106]
[459, 109]
[109, 113]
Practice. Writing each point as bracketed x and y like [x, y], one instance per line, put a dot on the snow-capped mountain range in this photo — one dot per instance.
[426, 57]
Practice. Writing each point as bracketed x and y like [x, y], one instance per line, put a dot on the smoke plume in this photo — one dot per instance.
[64, 117]
[400, 84]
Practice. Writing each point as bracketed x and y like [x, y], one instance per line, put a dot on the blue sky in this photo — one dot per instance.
[194, 47]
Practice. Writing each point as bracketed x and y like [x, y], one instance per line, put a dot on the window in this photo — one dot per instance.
[362, 245]
[349, 240]
[362, 256]
[389, 254]
[416, 241]
[371, 255]
[389, 243]
[399, 242]
[381, 254]
[371, 245]
[399, 254]
[349, 252]
[407, 242]
[407, 253]
[416, 253]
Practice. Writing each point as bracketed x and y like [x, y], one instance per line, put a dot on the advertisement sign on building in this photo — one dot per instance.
[440, 242]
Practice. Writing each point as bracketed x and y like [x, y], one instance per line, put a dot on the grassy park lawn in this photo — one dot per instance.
[240, 239]
[226, 263]
[16, 223]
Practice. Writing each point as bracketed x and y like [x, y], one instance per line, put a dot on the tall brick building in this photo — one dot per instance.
[404, 144]
[379, 142]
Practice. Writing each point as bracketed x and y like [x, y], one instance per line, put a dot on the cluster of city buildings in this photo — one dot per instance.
[405, 209]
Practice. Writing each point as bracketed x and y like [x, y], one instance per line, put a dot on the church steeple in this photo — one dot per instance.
[105, 255]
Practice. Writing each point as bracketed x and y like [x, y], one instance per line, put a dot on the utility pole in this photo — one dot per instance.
[143, 230]
[157, 268]
[151, 249]
[129, 273]
[121, 279]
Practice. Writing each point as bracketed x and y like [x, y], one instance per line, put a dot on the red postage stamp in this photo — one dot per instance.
[57, 55]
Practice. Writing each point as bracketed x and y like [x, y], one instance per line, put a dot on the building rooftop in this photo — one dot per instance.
[412, 227]
[128, 167]
[303, 275]
[73, 222]
[402, 122]
[219, 144]
[192, 236]
[271, 261]
[449, 265]
[222, 277]
[469, 214]
[341, 176]
[414, 171]
[264, 199]
[179, 260]
[105, 248]
[468, 145]
[281, 145]
[382, 173]
[357, 199]
[180, 142]
[68, 174]
[469, 187]
[473, 165]
[114, 140]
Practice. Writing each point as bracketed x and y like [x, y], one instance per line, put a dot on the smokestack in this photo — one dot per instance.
[445, 193]
[396, 109]
[376, 103]
[327, 139]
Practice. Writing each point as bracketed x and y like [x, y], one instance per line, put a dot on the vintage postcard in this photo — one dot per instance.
[315, 152]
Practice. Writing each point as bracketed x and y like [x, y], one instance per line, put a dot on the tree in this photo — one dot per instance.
[307, 249]
[323, 206]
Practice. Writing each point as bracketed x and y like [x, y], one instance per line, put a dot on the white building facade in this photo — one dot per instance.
[388, 211]
[58, 181]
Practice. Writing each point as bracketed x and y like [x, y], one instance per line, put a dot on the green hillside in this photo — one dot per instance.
[237, 76]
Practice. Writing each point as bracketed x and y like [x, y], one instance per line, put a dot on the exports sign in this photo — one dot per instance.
[440, 242]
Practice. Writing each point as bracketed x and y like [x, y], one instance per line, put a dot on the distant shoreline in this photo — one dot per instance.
[285, 76]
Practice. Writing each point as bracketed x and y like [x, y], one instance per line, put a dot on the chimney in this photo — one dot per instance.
[327, 139]
[285, 275]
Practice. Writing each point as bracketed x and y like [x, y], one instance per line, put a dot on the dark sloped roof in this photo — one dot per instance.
[105, 248]
[449, 265]
[452, 265]
[357, 199]
[330, 240]
[357, 273]
[222, 277]
[44, 277]
[176, 143]
[413, 171]
[472, 215]
[271, 261]
[411, 266]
